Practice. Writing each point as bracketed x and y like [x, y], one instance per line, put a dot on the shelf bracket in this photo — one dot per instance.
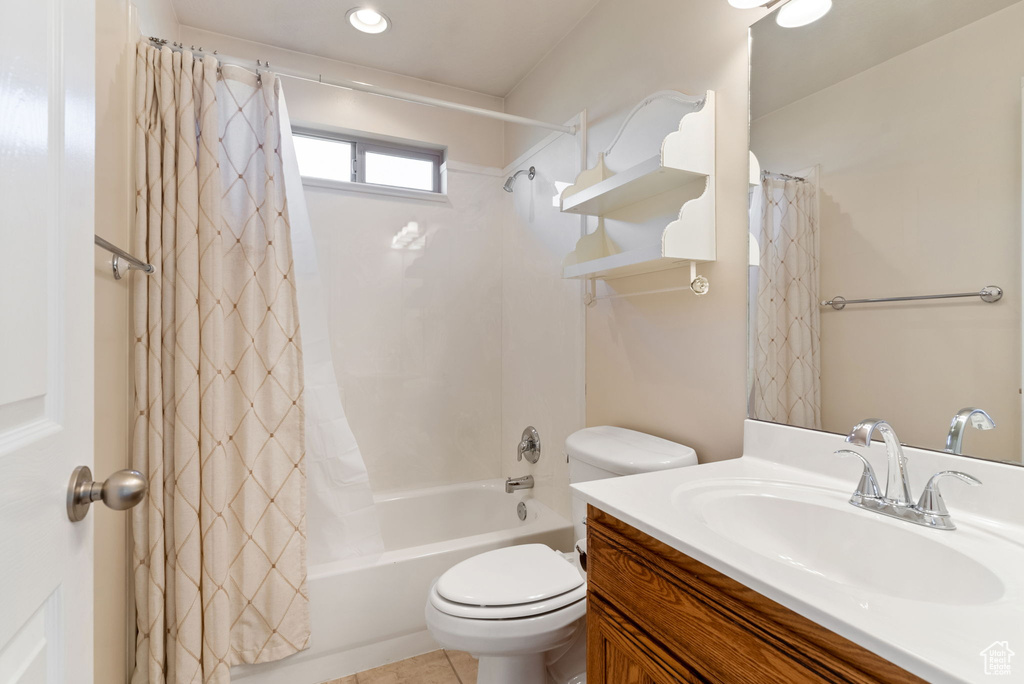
[698, 283]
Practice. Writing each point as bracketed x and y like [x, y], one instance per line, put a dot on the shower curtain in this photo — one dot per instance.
[219, 543]
[233, 407]
[342, 518]
[787, 363]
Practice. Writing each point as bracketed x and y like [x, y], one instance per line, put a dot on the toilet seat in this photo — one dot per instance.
[517, 610]
[513, 582]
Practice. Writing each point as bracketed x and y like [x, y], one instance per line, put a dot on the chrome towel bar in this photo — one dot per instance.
[989, 294]
[119, 255]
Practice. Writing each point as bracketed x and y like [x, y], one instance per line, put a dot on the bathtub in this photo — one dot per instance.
[368, 611]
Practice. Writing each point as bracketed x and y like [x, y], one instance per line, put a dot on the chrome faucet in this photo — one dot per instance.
[514, 484]
[976, 417]
[897, 486]
[930, 510]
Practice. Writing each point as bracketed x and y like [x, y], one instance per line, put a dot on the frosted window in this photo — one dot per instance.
[401, 172]
[322, 158]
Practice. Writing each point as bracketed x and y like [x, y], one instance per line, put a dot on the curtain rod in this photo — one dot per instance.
[376, 90]
[781, 176]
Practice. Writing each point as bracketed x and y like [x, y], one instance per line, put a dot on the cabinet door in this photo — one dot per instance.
[619, 653]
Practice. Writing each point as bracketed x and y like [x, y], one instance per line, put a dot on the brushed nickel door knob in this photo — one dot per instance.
[121, 491]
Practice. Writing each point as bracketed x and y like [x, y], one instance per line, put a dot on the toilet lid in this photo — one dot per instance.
[509, 576]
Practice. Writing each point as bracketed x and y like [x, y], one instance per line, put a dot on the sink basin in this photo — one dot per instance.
[816, 531]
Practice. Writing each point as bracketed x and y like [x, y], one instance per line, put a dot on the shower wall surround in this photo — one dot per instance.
[417, 332]
[543, 351]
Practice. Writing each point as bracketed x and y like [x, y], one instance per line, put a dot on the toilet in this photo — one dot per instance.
[521, 609]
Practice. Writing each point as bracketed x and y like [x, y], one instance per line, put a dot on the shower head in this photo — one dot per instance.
[512, 179]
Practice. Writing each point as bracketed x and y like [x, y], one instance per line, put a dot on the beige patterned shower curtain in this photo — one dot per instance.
[787, 352]
[219, 545]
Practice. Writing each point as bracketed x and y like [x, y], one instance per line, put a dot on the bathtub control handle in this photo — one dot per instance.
[529, 445]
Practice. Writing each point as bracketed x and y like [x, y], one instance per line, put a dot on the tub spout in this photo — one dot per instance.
[513, 484]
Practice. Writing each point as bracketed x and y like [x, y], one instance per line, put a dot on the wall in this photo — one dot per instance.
[117, 25]
[920, 193]
[669, 364]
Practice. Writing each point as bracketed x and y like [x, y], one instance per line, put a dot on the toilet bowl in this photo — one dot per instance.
[517, 609]
[521, 609]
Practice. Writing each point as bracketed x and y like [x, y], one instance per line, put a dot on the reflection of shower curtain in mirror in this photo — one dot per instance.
[787, 350]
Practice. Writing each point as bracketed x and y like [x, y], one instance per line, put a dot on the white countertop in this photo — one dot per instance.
[936, 640]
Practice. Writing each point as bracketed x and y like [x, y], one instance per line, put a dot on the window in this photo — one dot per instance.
[345, 159]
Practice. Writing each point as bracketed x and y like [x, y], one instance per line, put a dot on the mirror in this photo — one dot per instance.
[887, 138]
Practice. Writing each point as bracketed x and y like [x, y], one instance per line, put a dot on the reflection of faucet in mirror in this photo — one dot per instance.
[978, 419]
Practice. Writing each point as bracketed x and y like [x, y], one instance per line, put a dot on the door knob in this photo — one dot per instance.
[120, 491]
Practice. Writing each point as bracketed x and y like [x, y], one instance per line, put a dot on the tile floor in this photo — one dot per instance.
[436, 667]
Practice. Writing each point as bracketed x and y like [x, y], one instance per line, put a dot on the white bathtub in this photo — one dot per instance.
[368, 611]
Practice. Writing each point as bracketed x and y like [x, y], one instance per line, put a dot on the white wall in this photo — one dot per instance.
[920, 179]
[157, 18]
[669, 364]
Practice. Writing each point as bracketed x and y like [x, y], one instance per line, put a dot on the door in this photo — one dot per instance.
[47, 106]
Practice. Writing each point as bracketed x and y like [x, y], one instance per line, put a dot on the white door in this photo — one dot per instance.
[47, 106]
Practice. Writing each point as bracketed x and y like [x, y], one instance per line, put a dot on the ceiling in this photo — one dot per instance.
[789, 64]
[483, 45]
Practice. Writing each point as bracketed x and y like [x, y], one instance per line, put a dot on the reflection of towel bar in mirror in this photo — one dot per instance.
[989, 294]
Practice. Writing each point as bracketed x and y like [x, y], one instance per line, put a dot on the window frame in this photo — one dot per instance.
[359, 146]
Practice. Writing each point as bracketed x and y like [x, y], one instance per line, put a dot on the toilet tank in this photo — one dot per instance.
[601, 452]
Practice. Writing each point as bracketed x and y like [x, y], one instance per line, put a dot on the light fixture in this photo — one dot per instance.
[368, 20]
[797, 13]
[793, 13]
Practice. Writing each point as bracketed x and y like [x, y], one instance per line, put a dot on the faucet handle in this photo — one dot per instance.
[529, 445]
[931, 498]
[868, 487]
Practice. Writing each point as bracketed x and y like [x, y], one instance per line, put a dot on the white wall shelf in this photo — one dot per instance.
[639, 183]
[687, 157]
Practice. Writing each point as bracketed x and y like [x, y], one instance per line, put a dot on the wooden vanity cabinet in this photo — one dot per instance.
[656, 616]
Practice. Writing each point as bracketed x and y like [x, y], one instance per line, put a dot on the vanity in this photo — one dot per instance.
[759, 569]
[657, 615]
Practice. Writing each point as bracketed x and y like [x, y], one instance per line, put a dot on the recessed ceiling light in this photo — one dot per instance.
[368, 20]
[797, 13]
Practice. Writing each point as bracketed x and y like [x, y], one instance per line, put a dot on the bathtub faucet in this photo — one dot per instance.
[513, 484]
